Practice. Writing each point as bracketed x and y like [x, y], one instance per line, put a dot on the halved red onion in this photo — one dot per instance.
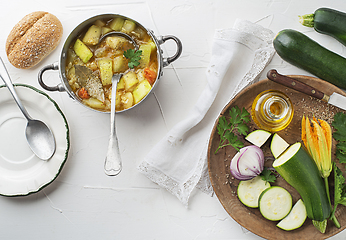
[247, 163]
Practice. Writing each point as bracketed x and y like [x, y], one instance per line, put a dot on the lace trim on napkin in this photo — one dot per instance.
[181, 191]
[261, 60]
[254, 29]
[257, 38]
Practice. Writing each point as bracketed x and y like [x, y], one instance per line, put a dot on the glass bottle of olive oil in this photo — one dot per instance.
[272, 110]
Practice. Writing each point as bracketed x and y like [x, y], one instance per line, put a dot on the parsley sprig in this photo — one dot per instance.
[133, 56]
[339, 123]
[267, 175]
[227, 127]
[339, 194]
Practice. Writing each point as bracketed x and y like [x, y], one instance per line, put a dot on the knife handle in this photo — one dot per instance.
[295, 84]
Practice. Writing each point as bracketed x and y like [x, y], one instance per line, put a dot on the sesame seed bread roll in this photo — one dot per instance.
[32, 39]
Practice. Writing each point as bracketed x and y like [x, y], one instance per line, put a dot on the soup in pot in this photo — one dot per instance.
[91, 63]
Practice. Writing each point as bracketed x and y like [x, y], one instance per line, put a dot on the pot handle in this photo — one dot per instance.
[53, 66]
[169, 60]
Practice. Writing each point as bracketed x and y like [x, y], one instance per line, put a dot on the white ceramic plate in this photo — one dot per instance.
[21, 172]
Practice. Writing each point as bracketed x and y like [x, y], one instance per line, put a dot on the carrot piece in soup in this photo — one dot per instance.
[83, 93]
[150, 75]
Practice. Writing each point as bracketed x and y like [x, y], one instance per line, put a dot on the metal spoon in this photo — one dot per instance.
[113, 164]
[38, 135]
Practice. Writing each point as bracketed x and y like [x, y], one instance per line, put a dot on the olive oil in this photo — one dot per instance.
[272, 110]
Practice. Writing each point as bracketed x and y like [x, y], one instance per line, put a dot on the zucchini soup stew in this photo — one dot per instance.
[93, 59]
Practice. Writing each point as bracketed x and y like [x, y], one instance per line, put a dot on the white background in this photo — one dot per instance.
[84, 203]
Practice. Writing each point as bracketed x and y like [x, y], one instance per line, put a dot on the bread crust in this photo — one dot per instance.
[33, 38]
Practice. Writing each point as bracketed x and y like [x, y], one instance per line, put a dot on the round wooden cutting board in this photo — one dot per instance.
[225, 186]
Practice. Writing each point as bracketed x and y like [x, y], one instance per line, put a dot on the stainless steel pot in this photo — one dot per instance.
[60, 66]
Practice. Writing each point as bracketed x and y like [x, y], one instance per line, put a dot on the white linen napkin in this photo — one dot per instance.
[178, 162]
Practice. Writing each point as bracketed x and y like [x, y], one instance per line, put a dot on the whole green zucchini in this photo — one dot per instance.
[327, 21]
[303, 52]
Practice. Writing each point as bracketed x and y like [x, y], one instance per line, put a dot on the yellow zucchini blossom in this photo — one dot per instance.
[317, 138]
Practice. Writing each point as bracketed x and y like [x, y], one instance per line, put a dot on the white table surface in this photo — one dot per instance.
[84, 203]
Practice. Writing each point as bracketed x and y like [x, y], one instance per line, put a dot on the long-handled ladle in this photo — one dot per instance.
[113, 164]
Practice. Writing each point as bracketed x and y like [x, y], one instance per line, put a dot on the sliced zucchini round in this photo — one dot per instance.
[295, 218]
[250, 190]
[275, 203]
[258, 137]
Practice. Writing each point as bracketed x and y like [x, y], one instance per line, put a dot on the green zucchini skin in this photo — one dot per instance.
[303, 52]
[331, 22]
[301, 172]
